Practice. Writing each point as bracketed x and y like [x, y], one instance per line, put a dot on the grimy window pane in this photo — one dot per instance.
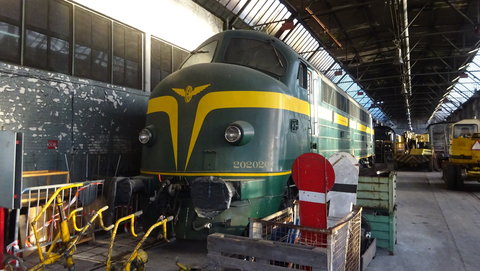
[10, 30]
[59, 19]
[36, 49]
[83, 27]
[166, 59]
[131, 74]
[161, 61]
[83, 39]
[101, 33]
[127, 51]
[118, 54]
[48, 24]
[133, 58]
[178, 57]
[9, 42]
[36, 13]
[92, 48]
[59, 60]
[82, 61]
[101, 66]
[10, 11]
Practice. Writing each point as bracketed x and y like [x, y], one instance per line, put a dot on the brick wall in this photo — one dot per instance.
[94, 123]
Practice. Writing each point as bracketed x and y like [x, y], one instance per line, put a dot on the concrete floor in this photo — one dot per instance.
[438, 229]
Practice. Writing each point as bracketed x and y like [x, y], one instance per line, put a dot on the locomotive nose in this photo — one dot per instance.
[191, 82]
[191, 115]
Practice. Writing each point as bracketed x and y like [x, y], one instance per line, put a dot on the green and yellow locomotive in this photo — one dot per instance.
[224, 130]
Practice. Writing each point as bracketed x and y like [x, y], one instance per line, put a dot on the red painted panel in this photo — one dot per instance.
[314, 177]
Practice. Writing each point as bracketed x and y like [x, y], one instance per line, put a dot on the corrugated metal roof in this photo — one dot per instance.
[269, 16]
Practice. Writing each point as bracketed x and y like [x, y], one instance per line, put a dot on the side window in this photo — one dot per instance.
[309, 81]
[363, 115]
[302, 76]
[328, 93]
[353, 111]
[342, 102]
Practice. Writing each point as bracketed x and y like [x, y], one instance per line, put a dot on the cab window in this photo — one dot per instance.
[302, 76]
[257, 54]
[201, 55]
[464, 130]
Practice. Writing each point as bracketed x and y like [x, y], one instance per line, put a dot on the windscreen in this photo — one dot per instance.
[256, 54]
[464, 130]
[201, 55]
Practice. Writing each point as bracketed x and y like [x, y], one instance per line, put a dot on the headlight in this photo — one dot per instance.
[233, 134]
[239, 133]
[145, 136]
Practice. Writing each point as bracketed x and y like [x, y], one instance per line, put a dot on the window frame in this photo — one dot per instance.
[92, 45]
[18, 24]
[49, 35]
[140, 72]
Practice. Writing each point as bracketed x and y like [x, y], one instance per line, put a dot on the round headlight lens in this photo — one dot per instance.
[144, 136]
[233, 134]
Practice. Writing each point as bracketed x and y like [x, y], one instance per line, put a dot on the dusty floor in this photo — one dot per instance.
[438, 229]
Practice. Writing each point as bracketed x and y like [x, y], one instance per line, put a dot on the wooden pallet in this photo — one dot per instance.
[243, 253]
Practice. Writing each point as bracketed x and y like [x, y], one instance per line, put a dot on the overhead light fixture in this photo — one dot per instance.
[404, 88]
[398, 59]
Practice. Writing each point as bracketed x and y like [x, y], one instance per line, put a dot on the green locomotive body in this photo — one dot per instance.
[224, 130]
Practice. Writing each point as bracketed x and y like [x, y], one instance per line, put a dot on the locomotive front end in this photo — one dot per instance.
[222, 137]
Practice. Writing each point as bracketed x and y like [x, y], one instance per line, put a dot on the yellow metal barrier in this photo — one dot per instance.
[63, 246]
[139, 254]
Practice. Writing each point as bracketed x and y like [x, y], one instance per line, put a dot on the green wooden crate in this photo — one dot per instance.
[377, 192]
[384, 228]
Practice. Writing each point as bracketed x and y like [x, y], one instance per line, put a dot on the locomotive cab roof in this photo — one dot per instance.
[283, 62]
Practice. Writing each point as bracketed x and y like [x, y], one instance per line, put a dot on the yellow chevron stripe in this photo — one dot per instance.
[242, 99]
[232, 99]
[169, 105]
